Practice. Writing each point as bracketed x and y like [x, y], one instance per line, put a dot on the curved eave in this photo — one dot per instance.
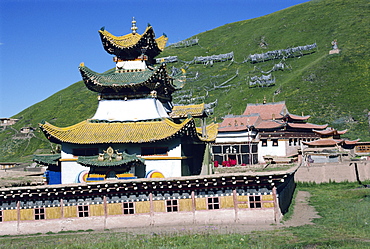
[307, 126]
[87, 132]
[47, 160]
[92, 161]
[119, 82]
[323, 142]
[193, 110]
[130, 45]
[298, 118]
[330, 132]
[210, 134]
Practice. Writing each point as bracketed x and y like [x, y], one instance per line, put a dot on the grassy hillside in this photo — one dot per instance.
[333, 89]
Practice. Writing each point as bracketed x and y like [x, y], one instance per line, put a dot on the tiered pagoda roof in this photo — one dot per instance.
[95, 132]
[134, 83]
[133, 45]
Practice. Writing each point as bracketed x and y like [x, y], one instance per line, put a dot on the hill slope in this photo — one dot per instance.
[333, 89]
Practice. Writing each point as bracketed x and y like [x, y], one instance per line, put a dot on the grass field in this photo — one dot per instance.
[345, 223]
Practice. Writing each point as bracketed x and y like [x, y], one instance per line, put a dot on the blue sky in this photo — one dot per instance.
[42, 42]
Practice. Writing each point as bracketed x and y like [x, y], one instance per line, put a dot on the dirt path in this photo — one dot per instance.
[303, 214]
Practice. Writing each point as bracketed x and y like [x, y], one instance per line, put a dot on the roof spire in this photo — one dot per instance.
[133, 27]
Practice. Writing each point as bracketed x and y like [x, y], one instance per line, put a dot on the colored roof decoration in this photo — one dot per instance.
[267, 111]
[92, 132]
[239, 123]
[270, 124]
[47, 160]
[110, 158]
[129, 82]
[182, 111]
[131, 46]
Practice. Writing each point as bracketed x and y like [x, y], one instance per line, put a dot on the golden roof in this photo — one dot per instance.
[130, 40]
[182, 111]
[90, 132]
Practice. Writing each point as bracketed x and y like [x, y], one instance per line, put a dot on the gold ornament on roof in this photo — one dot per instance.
[133, 27]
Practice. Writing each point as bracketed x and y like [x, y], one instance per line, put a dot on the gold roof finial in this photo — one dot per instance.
[133, 27]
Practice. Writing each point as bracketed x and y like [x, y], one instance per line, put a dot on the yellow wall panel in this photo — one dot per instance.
[158, 206]
[142, 207]
[27, 214]
[114, 208]
[242, 205]
[242, 198]
[70, 211]
[200, 204]
[186, 205]
[97, 210]
[226, 202]
[268, 204]
[53, 213]
[267, 198]
[10, 215]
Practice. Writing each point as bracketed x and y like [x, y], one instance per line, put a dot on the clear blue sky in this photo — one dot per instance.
[42, 42]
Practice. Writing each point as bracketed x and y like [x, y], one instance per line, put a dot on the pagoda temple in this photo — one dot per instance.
[264, 133]
[136, 131]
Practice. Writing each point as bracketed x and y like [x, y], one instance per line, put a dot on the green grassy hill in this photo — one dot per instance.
[333, 89]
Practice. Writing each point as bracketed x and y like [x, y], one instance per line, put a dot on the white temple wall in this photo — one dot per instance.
[235, 137]
[71, 171]
[279, 150]
[169, 168]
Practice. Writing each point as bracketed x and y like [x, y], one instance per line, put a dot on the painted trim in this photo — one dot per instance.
[68, 159]
[165, 157]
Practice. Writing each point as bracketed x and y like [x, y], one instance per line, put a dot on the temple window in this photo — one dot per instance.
[213, 203]
[85, 152]
[264, 142]
[216, 149]
[290, 142]
[172, 205]
[111, 174]
[255, 201]
[1, 215]
[154, 151]
[128, 208]
[275, 142]
[83, 211]
[39, 213]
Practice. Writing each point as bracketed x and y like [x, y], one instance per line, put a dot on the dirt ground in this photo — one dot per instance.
[20, 177]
